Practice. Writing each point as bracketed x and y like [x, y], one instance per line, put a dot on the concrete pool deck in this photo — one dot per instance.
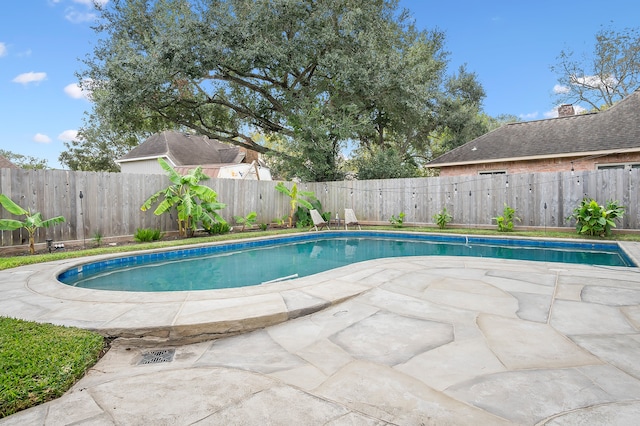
[416, 340]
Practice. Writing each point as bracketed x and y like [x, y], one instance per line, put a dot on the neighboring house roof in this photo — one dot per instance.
[184, 149]
[6, 164]
[616, 130]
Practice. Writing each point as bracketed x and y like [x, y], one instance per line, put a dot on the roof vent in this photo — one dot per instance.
[565, 110]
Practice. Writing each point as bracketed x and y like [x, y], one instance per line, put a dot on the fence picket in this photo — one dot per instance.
[111, 201]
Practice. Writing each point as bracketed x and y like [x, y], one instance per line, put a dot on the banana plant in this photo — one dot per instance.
[248, 220]
[295, 195]
[31, 222]
[194, 202]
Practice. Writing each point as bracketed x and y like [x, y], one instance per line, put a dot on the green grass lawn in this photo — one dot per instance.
[39, 362]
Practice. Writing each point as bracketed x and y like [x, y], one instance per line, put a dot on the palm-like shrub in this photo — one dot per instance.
[31, 222]
[195, 203]
[296, 198]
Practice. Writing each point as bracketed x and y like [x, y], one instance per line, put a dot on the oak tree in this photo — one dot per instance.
[318, 74]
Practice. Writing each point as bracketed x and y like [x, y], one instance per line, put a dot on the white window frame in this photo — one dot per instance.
[623, 166]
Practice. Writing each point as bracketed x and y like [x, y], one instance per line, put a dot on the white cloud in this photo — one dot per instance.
[528, 116]
[3, 49]
[68, 135]
[79, 17]
[30, 77]
[560, 90]
[90, 3]
[594, 81]
[40, 138]
[74, 91]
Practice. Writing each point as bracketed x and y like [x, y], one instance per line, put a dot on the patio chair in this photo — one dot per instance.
[350, 219]
[318, 220]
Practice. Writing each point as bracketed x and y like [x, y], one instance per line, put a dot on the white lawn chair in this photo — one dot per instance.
[350, 219]
[318, 220]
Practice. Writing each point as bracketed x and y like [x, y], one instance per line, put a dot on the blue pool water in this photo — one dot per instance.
[255, 262]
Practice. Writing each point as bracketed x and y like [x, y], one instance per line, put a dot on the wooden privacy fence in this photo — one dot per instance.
[111, 202]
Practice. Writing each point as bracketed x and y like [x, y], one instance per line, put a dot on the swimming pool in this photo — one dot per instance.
[262, 261]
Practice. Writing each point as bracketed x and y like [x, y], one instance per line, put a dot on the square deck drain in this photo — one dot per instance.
[157, 356]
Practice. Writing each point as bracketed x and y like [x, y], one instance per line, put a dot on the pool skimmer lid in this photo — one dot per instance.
[157, 356]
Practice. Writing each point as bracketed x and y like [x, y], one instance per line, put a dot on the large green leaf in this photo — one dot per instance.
[206, 194]
[305, 204]
[12, 207]
[10, 224]
[283, 189]
[174, 176]
[52, 221]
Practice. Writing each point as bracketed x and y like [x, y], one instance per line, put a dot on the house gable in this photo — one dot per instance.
[184, 149]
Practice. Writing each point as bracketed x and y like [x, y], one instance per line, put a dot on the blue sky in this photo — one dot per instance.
[510, 45]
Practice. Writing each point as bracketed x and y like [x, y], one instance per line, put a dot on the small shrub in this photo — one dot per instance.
[303, 218]
[248, 220]
[144, 235]
[281, 221]
[263, 226]
[505, 222]
[397, 221]
[97, 238]
[594, 219]
[443, 218]
[217, 228]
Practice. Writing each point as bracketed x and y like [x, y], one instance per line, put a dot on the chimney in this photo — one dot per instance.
[565, 110]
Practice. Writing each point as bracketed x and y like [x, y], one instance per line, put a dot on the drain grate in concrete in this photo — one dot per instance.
[157, 356]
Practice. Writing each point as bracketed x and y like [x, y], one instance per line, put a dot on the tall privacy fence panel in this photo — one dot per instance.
[110, 203]
[540, 199]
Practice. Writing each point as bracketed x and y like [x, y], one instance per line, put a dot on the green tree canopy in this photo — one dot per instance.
[318, 74]
[25, 161]
[224, 67]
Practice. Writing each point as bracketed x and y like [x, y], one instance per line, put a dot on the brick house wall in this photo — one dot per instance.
[543, 165]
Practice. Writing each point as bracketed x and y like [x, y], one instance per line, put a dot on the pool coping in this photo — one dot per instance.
[33, 293]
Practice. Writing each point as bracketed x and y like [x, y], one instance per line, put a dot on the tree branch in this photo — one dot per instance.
[228, 77]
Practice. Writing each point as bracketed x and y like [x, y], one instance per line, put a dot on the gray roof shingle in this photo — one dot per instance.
[185, 149]
[616, 129]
